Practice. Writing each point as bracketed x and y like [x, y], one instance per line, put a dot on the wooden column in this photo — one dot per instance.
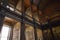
[35, 27]
[35, 31]
[22, 36]
[50, 27]
[2, 12]
[1, 20]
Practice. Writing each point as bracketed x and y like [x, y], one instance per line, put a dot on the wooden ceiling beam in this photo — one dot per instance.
[13, 2]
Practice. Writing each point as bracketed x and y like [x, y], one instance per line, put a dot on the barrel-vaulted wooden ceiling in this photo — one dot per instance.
[42, 3]
[48, 9]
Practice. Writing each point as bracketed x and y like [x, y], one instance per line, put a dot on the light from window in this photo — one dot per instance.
[4, 32]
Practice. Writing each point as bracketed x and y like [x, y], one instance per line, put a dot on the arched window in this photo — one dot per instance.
[5, 32]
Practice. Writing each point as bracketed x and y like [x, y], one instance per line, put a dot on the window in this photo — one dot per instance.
[29, 32]
[5, 32]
